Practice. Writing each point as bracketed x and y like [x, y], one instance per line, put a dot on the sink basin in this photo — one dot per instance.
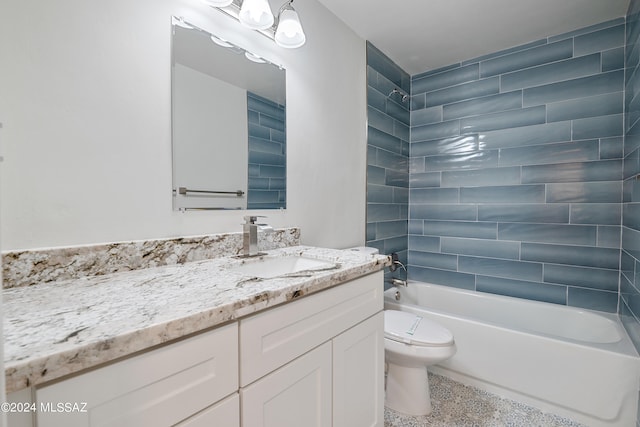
[267, 268]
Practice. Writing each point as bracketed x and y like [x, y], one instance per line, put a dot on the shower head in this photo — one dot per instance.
[403, 96]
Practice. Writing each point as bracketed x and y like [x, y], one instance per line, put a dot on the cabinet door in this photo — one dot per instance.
[298, 394]
[158, 388]
[358, 375]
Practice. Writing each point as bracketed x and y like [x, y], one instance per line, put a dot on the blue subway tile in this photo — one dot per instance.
[434, 195]
[380, 121]
[400, 195]
[500, 268]
[503, 194]
[395, 244]
[584, 256]
[585, 192]
[383, 140]
[575, 88]
[267, 171]
[445, 212]
[424, 243]
[609, 236]
[551, 73]
[464, 91]
[388, 229]
[548, 233]
[593, 299]
[385, 66]
[442, 277]
[444, 79]
[382, 212]
[527, 58]
[611, 148]
[590, 29]
[528, 135]
[452, 145]
[481, 177]
[522, 289]
[435, 131]
[631, 164]
[415, 227]
[257, 131]
[480, 159]
[545, 154]
[371, 231]
[596, 213]
[379, 193]
[613, 59]
[573, 172]
[504, 52]
[503, 120]
[258, 183]
[262, 196]
[273, 123]
[631, 241]
[265, 146]
[425, 116]
[262, 158]
[397, 178]
[398, 112]
[599, 105]
[376, 100]
[483, 105]
[416, 165]
[433, 260]
[598, 127]
[424, 179]
[375, 175]
[632, 215]
[479, 230]
[403, 132]
[538, 213]
[480, 247]
[586, 277]
[597, 41]
[391, 160]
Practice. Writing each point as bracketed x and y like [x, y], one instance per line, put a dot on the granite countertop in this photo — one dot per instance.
[59, 328]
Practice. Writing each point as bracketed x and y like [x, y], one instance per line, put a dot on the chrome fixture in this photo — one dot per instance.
[403, 96]
[285, 28]
[250, 236]
[398, 282]
[395, 262]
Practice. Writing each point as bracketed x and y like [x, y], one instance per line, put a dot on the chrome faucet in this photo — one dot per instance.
[250, 236]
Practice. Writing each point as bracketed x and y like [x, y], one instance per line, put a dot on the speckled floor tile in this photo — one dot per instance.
[458, 405]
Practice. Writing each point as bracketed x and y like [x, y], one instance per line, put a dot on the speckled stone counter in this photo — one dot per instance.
[55, 329]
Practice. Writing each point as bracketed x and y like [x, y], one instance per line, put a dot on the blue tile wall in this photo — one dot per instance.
[267, 154]
[630, 259]
[388, 155]
[516, 172]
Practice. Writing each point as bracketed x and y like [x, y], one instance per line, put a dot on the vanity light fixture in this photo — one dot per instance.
[289, 33]
[256, 14]
[285, 29]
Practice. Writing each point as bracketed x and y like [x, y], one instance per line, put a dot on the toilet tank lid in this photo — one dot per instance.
[412, 329]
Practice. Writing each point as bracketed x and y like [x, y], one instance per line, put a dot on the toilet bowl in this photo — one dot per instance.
[411, 343]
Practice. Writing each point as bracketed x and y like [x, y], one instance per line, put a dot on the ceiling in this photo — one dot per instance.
[422, 35]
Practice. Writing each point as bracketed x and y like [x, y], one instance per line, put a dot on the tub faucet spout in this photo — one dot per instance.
[398, 282]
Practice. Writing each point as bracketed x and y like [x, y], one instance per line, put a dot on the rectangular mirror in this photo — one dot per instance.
[228, 120]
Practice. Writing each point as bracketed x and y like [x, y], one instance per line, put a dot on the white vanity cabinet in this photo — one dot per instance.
[316, 362]
[165, 386]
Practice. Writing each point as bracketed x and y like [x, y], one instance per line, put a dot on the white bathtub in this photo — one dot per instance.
[571, 362]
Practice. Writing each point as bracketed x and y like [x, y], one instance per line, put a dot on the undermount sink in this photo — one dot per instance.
[268, 268]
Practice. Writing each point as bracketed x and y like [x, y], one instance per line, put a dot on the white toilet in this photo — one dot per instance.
[411, 343]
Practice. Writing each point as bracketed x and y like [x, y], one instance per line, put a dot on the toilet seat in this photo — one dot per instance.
[415, 330]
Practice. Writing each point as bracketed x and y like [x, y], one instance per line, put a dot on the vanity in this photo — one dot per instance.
[212, 342]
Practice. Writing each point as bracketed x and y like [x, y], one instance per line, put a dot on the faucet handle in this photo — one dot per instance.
[251, 219]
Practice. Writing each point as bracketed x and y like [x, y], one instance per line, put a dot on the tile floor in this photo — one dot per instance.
[459, 405]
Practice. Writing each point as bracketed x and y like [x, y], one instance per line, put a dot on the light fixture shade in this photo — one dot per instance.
[218, 3]
[256, 14]
[289, 33]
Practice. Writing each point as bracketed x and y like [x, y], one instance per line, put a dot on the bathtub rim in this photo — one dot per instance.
[624, 346]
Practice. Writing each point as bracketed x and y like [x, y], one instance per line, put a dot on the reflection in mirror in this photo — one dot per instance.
[228, 125]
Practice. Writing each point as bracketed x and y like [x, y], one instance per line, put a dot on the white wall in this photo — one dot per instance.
[85, 108]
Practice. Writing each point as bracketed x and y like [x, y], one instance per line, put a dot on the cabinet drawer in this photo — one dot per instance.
[159, 388]
[270, 339]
